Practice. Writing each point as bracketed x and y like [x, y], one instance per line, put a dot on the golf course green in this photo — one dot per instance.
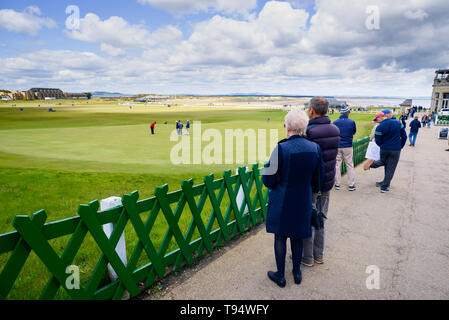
[58, 160]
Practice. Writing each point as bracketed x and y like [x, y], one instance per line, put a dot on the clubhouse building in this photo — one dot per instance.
[45, 94]
[440, 95]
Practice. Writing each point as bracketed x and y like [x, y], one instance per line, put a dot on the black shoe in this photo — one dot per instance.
[297, 277]
[276, 279]
[384, 190]
[351, 188]
[378, 184]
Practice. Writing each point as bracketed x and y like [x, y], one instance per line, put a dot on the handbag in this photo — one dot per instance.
[318, 216]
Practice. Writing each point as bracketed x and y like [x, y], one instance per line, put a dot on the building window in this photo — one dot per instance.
[445, 101]
[437, 100]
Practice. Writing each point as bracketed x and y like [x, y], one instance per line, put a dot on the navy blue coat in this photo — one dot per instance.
[290, 188]
[390, 135]
[348, 129]
[327, 135]
[415, 125]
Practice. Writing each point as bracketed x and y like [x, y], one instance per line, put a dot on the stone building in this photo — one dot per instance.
[42, 93]
[440, 95]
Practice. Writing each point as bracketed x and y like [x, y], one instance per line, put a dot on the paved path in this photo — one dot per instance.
[405, 233]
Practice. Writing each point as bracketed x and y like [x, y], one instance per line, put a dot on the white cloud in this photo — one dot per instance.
[28, 21]
[195, 6]
[116, 35]
[114, 31]
[226, 41]
[111, 50]
[279, 50]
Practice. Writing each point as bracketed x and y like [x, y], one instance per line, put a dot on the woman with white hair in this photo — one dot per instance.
[295, 164]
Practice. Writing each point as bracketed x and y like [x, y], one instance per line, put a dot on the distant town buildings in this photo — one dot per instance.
[440, 95]
[152, 98]
[42, 94]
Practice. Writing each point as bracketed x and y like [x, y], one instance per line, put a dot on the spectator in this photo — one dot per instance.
[327, 136]
[391, 137]
[373, 151]
[428, 120]
[297, 163]
[348, 129]
[403, 119]
[424, 120]
[414, 128]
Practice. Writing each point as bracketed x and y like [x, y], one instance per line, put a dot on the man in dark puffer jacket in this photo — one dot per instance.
[327, 136]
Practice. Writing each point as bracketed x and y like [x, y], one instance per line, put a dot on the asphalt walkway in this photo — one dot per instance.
[404, 233]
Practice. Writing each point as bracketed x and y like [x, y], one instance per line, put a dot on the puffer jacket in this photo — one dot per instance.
[327, 135]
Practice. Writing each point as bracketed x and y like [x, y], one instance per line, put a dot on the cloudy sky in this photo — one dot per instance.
[297, 47]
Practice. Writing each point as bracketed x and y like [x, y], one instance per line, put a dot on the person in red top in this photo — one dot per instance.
[152, 127]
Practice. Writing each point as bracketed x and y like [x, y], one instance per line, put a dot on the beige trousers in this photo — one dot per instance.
[346, 154]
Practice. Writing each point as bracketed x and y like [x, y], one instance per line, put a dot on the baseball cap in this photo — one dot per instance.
[386, 111]
[379, 114]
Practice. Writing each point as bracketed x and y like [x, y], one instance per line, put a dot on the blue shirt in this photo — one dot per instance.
[348, 129]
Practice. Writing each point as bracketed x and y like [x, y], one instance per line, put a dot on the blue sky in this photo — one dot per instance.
[225, 46]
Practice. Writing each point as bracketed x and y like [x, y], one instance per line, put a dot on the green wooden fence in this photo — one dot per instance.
[360, 146]
[33, 235]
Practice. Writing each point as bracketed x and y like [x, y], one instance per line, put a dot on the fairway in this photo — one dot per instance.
[58, 160]
[102, 139]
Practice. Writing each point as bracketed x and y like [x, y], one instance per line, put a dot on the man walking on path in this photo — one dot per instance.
[152, 125]
[348, 129]
[414, 128]
[321, 131]
[391, 138]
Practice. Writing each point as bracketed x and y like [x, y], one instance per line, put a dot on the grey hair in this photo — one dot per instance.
[297, 121]
[320, 105]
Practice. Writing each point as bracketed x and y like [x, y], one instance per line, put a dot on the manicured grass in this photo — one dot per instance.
[56, 161]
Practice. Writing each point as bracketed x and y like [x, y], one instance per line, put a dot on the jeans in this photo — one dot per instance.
[389, 160]
[314, 247]
[412, 137]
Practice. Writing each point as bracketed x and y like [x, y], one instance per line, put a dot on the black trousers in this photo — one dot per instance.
[280, 250]
[152, 130]
[389, 160]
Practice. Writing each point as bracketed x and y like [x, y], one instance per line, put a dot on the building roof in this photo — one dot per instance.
[42, 89]
[335, 102]
[407, 102]
[442, 71]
